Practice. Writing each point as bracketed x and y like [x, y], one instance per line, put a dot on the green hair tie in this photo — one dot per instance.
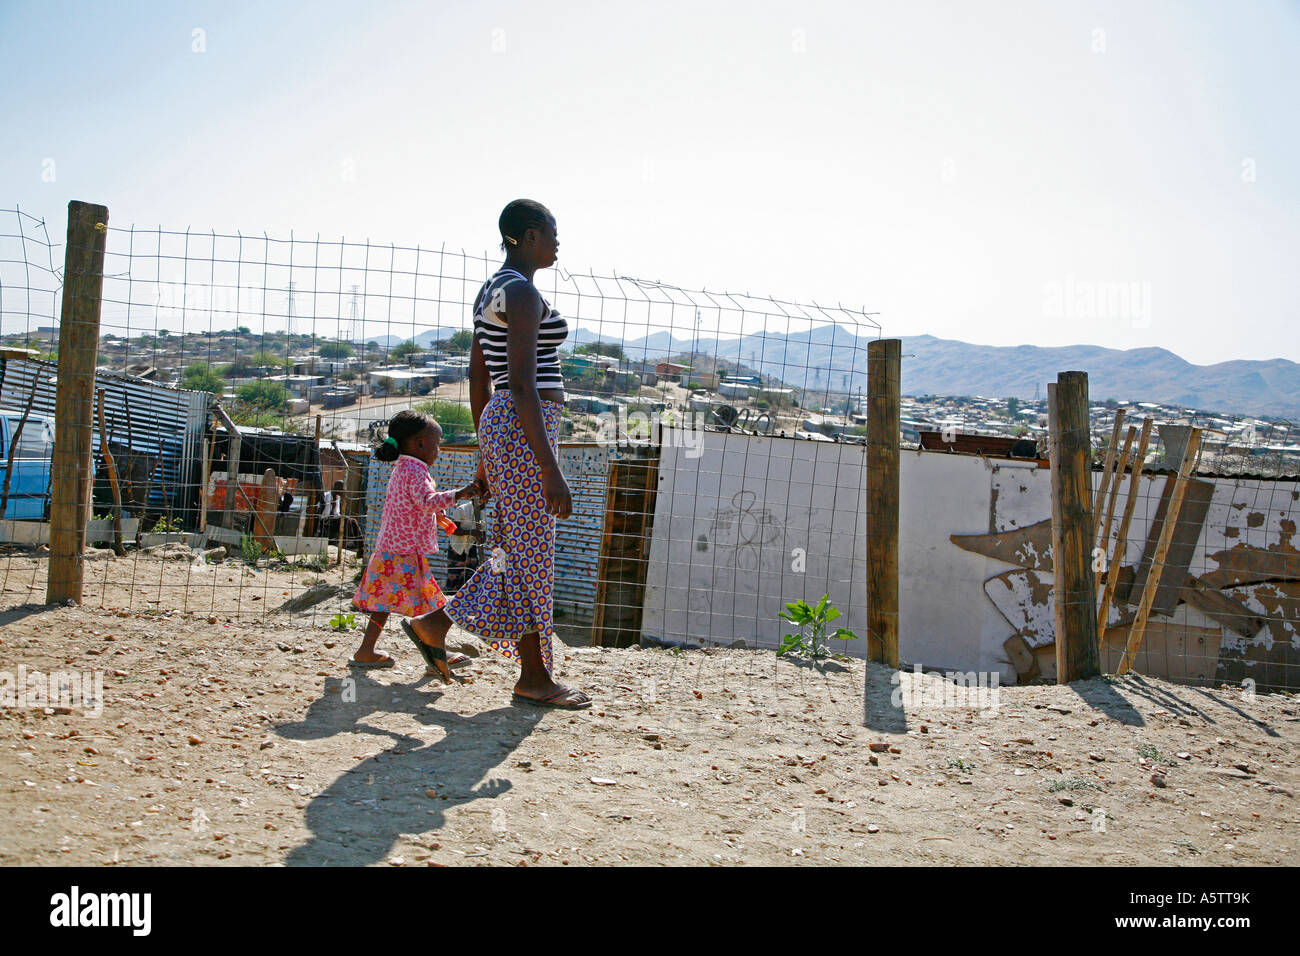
[390, 440]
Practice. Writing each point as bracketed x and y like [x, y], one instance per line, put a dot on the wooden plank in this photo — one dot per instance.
[83, 281]
[1170, 650]
[1162, 550]
[232, 463]
[616, 474]
[111, 467]
[884, 407]
[1074, 532]
[1224, 608]
[1107, 466]
[1121, 540]
[264, 511]
[1187, 533]
[206, 479]
[1121, 464]
[1247, 564]
[1022, 658]
[1028, 547]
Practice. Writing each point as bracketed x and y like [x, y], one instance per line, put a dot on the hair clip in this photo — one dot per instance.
[390, 440]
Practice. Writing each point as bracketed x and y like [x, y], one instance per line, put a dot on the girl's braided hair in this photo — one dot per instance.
[404, 426]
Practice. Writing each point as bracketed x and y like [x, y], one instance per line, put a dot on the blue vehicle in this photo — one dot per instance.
[29, 489]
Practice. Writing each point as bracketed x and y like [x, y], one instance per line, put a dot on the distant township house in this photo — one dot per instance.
[403, 380]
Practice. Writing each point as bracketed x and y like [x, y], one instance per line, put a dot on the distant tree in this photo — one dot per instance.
[611, 349]
[243, 330]
[459, 343]
[403, 349]
[1013, 406]
[457, 420]
[202, 377]
[163, 333]
[336, 350]
[264, 396]
[264, 357]
[372, 345]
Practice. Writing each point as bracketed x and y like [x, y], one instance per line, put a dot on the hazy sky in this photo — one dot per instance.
[1120, 174]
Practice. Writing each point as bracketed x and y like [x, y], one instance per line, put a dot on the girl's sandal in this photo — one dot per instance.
[433, 656]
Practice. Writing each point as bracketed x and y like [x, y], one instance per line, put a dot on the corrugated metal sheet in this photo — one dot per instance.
[577, 539]
[166, 421]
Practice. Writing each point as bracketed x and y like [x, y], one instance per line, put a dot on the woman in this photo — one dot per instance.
[516, 394]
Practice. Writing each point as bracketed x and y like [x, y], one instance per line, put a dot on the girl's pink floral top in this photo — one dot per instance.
[408, 525]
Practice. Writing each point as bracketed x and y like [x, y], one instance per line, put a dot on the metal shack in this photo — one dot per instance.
[155, 432]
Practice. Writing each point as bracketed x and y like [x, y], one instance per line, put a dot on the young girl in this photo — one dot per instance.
[397, 577]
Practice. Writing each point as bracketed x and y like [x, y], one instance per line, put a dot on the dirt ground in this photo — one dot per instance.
[232, 735]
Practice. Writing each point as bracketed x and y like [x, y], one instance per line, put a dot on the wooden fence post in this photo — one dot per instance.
[884, 405]
[70, 471]
[1073, 530]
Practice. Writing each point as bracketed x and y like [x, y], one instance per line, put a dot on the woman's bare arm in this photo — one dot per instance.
[480, 392]
[524, 312]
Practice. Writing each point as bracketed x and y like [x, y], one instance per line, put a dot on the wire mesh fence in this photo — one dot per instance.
[309, 347]
[715, 444]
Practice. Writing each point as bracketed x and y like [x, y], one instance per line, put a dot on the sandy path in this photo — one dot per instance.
[244, 742]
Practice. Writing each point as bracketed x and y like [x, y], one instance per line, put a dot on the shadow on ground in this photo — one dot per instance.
[15, 614]
[359, 818]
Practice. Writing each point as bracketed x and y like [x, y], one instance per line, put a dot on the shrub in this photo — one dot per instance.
[249, 549]
[812, 637]
[202, 377]
[457, 420]
[336, 350]
[264, 396]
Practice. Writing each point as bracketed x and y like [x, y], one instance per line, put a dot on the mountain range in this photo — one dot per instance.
[834, 357]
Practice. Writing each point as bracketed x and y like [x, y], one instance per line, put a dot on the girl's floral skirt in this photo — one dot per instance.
[398, 584]
[511, 593]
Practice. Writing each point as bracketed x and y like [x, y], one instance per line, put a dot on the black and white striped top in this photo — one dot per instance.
[490, 332]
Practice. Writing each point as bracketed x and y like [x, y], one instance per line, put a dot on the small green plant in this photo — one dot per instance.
[167, 526]
[956, 763]
[344, 622]
[317, 562]
[1155, 756]
[812, 637]
[249, 549]
[1074, 783]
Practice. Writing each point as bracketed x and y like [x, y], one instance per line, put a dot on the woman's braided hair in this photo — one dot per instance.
[518, 217]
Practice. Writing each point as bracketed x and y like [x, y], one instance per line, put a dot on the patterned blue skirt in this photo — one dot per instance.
[512, 592]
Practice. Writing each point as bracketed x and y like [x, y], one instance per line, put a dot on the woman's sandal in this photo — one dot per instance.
[554, 699]
[432, 655]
